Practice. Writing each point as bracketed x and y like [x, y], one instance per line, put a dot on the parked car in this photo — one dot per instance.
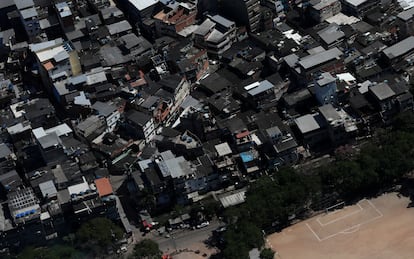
[203, 224]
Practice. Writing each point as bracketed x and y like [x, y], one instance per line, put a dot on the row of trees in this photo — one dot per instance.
[93, 238]
[274, 200]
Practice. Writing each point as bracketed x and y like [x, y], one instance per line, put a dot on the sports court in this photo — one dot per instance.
[377, 228]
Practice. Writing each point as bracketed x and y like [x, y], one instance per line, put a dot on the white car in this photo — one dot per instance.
[203, 224]
[123, 249]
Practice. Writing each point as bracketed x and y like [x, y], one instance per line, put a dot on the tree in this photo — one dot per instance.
[53, 252]
[267, 253]
[99, 233]
[146, 249]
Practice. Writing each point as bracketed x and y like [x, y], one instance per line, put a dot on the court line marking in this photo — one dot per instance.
[313, 232]
[380, 215]
[338, 219]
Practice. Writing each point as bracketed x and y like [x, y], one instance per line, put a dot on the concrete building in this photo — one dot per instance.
[216, 34]
[320, 10]
[358, 8]
[243, 12]
[110, 112]
[399, 55]
[340, 125]
[325, 88]
[405, 21]
[29, 17]
[143, 124]
[176, 21]
[138, 10]
[57, 61]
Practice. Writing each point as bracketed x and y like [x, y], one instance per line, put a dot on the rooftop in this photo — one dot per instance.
[119, 27]
[406, 15]
[143, 4]
[382, 91]
[331, 34]
[23, 4]
[355, 3]
[223, 149]
[138, 118]
[320, 4]
[48, 189]
[4, 151]
[320, 58]
[261, 88]
[104, 187]
[308, 123]
[400, 48]
[329, 112]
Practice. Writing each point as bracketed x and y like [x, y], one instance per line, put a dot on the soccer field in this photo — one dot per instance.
[378, 228]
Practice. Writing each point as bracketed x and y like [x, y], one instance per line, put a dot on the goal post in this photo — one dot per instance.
[335, 207]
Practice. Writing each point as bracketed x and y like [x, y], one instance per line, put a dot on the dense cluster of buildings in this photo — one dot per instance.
[187, 98]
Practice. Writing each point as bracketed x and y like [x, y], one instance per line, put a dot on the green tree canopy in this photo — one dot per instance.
[100, 232]
[53, 252]
[146, 249]
[267, 253]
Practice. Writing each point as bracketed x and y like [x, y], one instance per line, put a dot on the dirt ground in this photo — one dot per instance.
[379, 228]
[189, 253]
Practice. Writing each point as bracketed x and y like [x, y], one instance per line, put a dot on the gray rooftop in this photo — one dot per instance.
[325, 79]
[104, 109]
[48, 189]
[112, 11]
[320, 58]
[223, 149]
[4, 4]
[7, 35]
[175, 167]
[406, 15]
[307, 123]
[329, 112]
[264, 86]
[113, 56]
[274, 132]
[205, 27]
[23, 4]
[10, 180]
[331, 33]
[138, 118]
[400, 48]
[382, 91]
[49, 140]
[89, 122]
[4, 150]
[119, 27]
[28, 13]
[356, 3]
[319, 5]
[222, 21]
[291, 60]
[150, 102]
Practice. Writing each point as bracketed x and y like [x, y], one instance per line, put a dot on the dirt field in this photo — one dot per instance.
[380, 228]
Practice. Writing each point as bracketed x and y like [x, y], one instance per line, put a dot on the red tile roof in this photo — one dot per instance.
[48, 65]
[104, 186]
[242, 134]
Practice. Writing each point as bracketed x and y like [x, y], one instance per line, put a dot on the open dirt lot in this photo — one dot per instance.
[379, 228]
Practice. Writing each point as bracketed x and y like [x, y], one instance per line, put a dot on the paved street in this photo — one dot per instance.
[182, 239]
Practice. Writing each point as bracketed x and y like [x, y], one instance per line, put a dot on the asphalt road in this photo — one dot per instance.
[181, 239]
